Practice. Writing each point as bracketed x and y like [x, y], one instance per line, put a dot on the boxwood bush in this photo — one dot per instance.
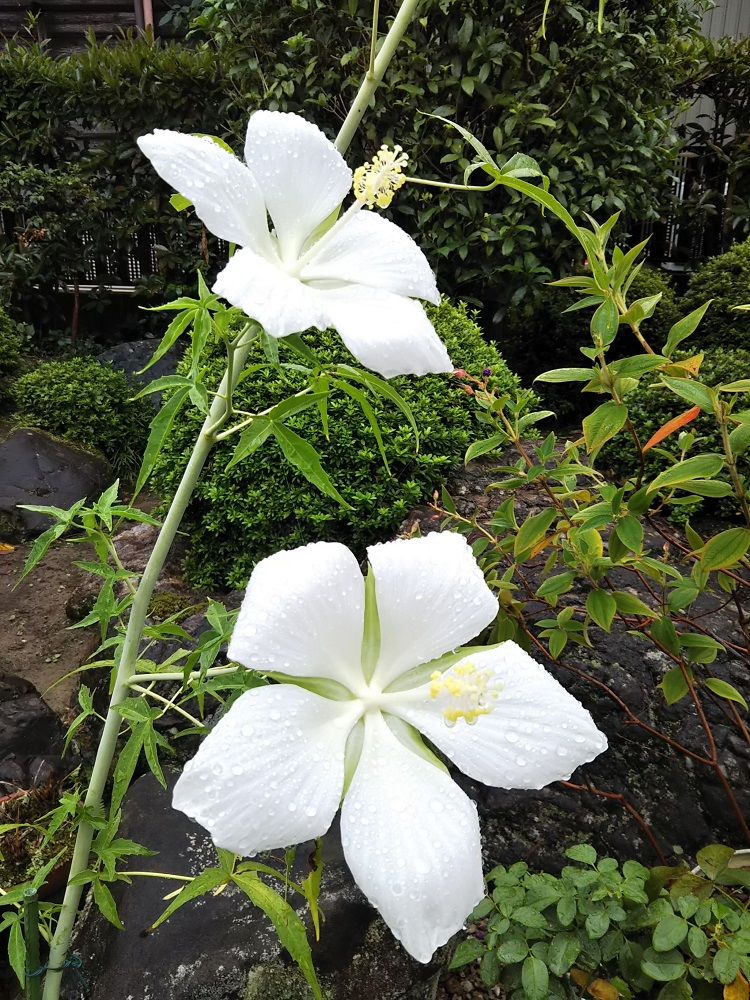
[651, 406]
[11, 344]
[88, 403]
[726, 280]
[239, 515]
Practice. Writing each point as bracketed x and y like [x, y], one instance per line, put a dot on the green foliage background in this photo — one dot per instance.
[593, 108]
[239, 515]
[88, 403]
[726, 280]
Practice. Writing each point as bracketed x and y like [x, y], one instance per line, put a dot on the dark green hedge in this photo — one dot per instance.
[726, 280]
[238, 516]
[593, 108]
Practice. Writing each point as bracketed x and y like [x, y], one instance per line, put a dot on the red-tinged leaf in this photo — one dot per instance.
[675, 424]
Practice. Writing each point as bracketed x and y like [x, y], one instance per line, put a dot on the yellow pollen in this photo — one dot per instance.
[376, 182]
[467, 693]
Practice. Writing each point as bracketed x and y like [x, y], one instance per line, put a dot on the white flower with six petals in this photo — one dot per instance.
[365, 671]
[361, 276]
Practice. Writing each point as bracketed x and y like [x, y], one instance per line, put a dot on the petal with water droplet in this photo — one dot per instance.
[254, 784]
[537, 732]
[423, 874]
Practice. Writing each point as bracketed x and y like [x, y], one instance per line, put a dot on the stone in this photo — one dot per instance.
[36, 468]
[132, 357]
[31, 737]
[221, 947]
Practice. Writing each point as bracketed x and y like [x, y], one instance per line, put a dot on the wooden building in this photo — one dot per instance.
[65, 22]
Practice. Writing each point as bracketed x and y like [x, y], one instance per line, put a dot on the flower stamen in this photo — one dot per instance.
[376, 182]
[466, 692]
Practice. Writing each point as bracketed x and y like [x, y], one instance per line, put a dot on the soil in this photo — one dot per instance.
[39, 644]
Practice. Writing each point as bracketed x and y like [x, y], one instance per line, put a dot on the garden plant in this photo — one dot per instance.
[344, 690]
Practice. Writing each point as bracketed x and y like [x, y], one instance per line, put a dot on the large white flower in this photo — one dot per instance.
[362, 275]
[346, 720]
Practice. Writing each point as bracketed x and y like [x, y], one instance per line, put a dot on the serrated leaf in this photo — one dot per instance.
[105, 903]
[200, 885]
[303, 456]
[175, 329]
[288, 926]
[160, 427]
[250, 440]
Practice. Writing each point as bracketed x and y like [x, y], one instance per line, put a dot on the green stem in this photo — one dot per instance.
[178, 676]
[128, 659]
[375, 73]
[732, 465]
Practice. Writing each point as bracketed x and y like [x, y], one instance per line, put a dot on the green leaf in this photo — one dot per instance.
[603, 424]
[364, 404]
[160, 427]
[679, 989]
[200, 886]
[725, 690]
[584, 853]
[670, 932]
[106, 904]
[553, 586]
[566, 910]
[567, 375]
[534, 978]
[288, 926]
[697, 941]
[251, 439]
[602, 607]
[725, 549]
[179, 202]
[604, 323]
[512, 949]
[698, 467]
[683, 328]
[739, 439]
[40, 548]
[630, 532]
[489, 444]
[629, 604]
[533, 530]
[382, 388]
[726, 965]
[303, 456]
[692, 392]
[468, 950]
[662, 966]
[597, 925]
[743, 385]
[564, 949]
[674, 686]
[17, 951]
[177, 327]
[714, 859]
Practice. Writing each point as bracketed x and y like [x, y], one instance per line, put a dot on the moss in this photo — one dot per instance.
[167, 603]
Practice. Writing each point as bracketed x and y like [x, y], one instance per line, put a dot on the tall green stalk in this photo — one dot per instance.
[138, 612]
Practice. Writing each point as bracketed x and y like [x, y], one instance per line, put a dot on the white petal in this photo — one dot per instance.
[303, 615]
[301, 173]
[536, 733]
[431, 597]
[270, 773]
[280, 303]
[411, 840]
[225, 194]
[370, 250]
[386, 332]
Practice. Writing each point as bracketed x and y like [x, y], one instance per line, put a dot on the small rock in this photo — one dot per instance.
[31, 737]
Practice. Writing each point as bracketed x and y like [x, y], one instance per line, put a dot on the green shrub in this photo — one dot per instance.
[652, 405]
[239, 515]
[11, 343]
[87, 403]
[726, 280]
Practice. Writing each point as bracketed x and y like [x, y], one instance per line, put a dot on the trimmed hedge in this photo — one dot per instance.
[239, 515]
[11, 345]
[89, 404]
[726, 280]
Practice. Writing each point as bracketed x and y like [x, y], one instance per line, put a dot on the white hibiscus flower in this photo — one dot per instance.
[362, 275]
[346, 721]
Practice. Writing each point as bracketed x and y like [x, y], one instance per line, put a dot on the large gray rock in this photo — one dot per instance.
[31, 737]
[130, 358]
[38, 469]
[221, 947]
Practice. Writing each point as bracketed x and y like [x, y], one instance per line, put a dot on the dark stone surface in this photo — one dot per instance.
[221, 947]
[36, 468]
[682, 801]
[31, 736]
[130, 359]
